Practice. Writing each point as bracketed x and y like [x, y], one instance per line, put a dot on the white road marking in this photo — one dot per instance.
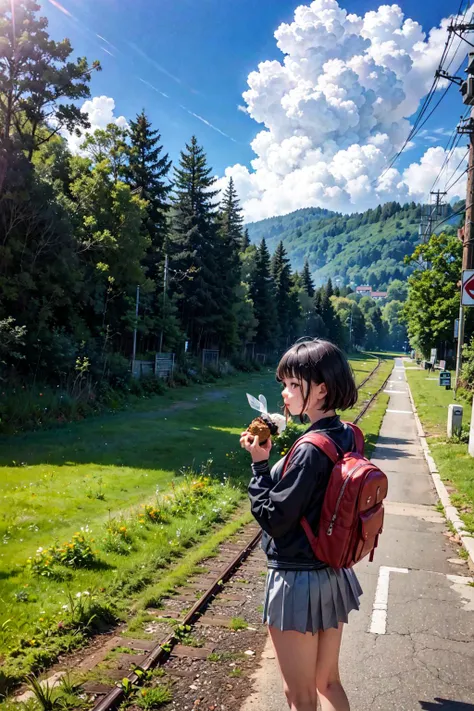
[401, 412]
[396, 392]
[378, 623]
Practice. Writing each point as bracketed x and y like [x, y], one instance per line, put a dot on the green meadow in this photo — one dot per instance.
[92, 513]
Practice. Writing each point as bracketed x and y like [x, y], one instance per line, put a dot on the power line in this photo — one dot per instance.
[449, 150]
[417, 126]
[456, 170]
[459, 178]
[453, 214]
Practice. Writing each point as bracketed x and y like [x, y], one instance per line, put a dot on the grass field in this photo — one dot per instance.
[96, 475]
[455, 465]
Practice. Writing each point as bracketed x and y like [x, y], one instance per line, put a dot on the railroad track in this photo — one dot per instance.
[223, 571]
[372, 372]
[221, 593]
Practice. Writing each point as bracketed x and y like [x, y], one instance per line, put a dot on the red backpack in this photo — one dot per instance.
[352, 513]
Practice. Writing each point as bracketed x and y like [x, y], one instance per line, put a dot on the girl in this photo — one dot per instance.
[306, 601]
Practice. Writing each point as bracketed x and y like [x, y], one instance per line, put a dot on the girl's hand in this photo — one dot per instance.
[258, 452]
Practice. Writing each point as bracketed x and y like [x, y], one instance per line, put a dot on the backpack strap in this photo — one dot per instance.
[358, 437]
[319, 440]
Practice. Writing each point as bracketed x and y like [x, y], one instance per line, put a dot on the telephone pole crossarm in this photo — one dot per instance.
[444, 75]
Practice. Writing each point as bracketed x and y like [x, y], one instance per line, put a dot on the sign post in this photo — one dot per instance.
[445, 379]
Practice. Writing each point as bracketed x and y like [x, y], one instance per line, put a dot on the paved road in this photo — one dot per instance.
[411, 646]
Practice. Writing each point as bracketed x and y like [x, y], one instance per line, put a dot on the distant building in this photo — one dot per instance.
[366, 290]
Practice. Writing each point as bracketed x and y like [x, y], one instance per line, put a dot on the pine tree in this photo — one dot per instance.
[194, 246]
[317, 302]
[281, 273]
[308, 285]
[331, 320]
[263, 295]
[230, 233]
[329, 289]
[245, 240]
[147, 173]
[36, 75]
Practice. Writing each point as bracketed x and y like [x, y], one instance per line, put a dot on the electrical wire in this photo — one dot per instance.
[418, 124]
[457, 167]
[449, 217]
[458, 179]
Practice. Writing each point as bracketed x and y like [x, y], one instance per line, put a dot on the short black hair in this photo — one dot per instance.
[320, 361]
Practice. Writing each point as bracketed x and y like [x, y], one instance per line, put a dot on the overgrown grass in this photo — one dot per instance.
[95, 475]
[455, 465]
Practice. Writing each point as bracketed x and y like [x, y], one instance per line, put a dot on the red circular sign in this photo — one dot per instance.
[469, 287]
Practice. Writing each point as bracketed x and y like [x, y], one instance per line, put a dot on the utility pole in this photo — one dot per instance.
[466, 127]
[467, 233]
[165, 283]
[431, 213]
[137, 302]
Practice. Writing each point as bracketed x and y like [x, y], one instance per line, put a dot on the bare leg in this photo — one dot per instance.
[332, 696]
[297, 655]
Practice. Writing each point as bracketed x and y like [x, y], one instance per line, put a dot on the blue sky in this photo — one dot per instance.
[187, 63]
[209, 47]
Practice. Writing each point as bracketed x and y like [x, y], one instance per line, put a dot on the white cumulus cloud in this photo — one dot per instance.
[100, 111]
[336, 108]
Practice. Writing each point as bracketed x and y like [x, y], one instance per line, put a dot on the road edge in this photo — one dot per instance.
[450, 511]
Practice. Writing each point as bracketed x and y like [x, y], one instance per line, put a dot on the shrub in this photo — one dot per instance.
[467, 373]
[78, 553]
[287, 438]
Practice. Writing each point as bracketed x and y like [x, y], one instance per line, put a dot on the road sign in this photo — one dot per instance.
[456, 329]
[468, 287]
[445, 379]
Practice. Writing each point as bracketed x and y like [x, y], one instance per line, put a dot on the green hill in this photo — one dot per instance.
[361, 248]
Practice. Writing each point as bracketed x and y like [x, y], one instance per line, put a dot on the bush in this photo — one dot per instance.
[288, 437]
[244, 365]
[78, 553]
[467, 373]
[180, 378]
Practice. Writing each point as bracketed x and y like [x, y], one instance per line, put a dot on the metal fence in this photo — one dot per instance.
[164, 365]
[210, 358]
[161, 367]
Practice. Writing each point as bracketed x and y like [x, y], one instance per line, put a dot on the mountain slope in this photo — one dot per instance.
[362, 248]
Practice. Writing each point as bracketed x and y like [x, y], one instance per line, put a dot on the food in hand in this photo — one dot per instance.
[262, 427]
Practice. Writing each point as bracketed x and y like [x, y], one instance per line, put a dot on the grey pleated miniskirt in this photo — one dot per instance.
[310, 600]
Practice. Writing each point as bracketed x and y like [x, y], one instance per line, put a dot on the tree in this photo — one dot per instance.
[147, 173]
[39, 282]
[307, 280]
[396, 329]
[328, 314]
[194, 248]
[262, 292]
[245, 240]
[433, 294]
[281, 274]
[36, 75]
[352, 321]
[230, 238]
[111, 249]
[397, 291]
[108, 144]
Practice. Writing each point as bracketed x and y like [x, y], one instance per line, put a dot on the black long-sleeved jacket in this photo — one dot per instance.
[278, 504]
